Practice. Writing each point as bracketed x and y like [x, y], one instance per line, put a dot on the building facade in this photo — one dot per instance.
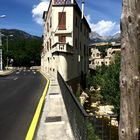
[98, 57]
[65, 40]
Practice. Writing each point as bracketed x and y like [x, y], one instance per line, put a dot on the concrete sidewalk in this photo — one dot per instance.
[5, 72]
[54, 123]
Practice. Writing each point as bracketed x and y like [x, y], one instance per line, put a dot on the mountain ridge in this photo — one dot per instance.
[95, 38]
[18, 34]
[22, 35]
[23, 48]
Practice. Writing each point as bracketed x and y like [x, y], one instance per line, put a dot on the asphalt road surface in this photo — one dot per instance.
[19, 96]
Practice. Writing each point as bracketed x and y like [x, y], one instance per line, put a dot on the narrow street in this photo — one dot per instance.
[19, 96]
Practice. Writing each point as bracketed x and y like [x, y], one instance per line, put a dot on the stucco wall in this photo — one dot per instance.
[70, 65]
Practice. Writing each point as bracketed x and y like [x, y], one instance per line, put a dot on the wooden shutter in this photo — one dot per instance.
[50, 22]
[62, 20]
[47, 27]
[62, 39]
[55, 1]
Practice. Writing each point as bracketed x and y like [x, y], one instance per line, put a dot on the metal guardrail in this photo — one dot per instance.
[77, 115]
[82, 124]
[104, 127]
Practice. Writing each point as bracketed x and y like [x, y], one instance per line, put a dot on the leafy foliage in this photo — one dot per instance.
[91, 132]
[103, 50]
[107, 78]
[23, 48]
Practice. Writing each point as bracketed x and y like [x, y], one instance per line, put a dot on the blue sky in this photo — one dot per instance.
[102, 15]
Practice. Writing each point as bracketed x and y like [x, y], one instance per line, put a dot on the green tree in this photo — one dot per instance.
[24, 52]
[91, 132]
[107, 78]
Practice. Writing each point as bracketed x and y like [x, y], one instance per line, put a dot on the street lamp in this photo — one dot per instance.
[1, 16]
[7, 44]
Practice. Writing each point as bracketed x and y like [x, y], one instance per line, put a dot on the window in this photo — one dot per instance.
[76, 42]
[47, 45]
[62, 39]
[62, 20]
[47, 27]
[84, 49]
[50, 22]
[55, 1]
[76, 22]
[97, 54]
[80, 47]
[50, 43]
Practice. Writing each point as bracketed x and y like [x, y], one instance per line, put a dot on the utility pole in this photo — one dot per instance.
[7, 51]
[1, 16]
[129, 75]
[1, 65]
[7, 44]
[0, 59]
[0, 53]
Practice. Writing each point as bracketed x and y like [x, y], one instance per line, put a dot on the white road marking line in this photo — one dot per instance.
[15, 78]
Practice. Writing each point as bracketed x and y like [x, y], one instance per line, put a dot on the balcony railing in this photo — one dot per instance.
[84, 126]
[62, 48]
[87, 127]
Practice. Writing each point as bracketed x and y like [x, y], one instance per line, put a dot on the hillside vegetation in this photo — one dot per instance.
[106, 78]
[24, 49]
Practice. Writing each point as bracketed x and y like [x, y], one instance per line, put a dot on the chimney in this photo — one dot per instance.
[82, 9]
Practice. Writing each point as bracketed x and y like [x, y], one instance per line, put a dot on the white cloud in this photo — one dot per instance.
[37, 11]
[104, 27]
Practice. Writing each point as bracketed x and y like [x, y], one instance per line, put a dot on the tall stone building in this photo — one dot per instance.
[65, 41]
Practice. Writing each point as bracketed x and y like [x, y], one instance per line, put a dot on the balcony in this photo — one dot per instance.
[62, 48]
